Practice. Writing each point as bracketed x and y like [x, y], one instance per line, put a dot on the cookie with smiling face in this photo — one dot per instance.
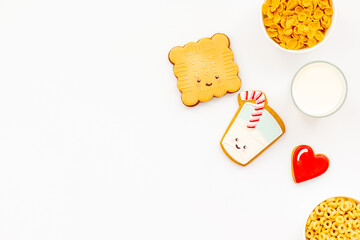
[205, 69]
[254, 128]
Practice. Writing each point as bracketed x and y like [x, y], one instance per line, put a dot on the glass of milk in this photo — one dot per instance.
[319, 89]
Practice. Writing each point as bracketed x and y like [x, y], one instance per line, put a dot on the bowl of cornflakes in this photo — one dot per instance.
[335, 218]
[297, 25]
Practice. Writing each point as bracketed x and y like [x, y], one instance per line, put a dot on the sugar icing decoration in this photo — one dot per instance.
[253, 129]
[260, 99]
[306, 165]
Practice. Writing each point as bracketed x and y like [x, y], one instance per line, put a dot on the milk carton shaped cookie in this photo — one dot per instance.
[253, 129]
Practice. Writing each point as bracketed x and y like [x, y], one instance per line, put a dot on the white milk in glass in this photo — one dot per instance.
[319, 89]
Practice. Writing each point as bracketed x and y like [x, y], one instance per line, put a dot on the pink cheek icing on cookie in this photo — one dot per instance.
[259, 97]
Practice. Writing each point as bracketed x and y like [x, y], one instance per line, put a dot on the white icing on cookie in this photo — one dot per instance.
[243, 144]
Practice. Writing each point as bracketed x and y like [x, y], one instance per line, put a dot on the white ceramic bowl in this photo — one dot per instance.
[327, 34]
[308, 215]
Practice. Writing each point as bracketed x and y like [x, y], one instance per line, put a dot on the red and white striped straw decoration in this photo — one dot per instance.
[259, 97]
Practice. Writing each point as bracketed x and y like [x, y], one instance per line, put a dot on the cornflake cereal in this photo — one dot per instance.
[335, 218]
[297, 24]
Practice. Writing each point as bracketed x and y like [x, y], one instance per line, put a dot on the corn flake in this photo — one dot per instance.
[288, 13]
[264, 8]
[297, 24]
[318, 14]
[292, 4]
[277, 17]
[292, 44]
[269, 13]
[308, 21]
[311, 33]
[302, 17]
[274, 5]
[312, 42]
[288, 31]
[268, 22]
[275, 26]
[328, 11]
[299, 9]
[281, 8]
[306, 3]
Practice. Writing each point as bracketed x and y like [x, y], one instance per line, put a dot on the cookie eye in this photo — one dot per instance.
[198, 80]
[244, 147]
[236, 139]
[217, 76]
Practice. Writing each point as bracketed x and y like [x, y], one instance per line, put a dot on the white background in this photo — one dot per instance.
[95, 142]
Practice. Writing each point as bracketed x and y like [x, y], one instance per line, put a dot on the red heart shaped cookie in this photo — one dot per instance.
[306, 165]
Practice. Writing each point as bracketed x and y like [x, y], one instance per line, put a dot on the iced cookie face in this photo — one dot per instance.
[243, 144]
[254, 128]
[205, 69]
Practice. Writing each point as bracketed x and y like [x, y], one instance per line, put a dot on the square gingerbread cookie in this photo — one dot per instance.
[205, 69]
